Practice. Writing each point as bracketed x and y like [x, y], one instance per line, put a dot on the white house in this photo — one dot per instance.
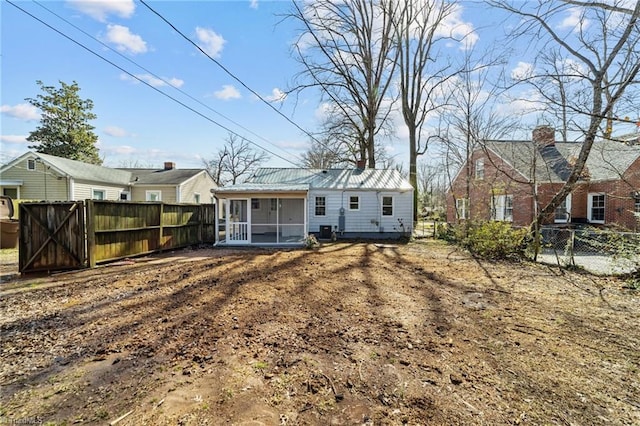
[282, 206]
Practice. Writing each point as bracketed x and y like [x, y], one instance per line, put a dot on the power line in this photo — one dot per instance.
[232, 75]
[147, 84]
[158, 77]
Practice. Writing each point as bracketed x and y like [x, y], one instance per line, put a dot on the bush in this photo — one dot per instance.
[492, 240]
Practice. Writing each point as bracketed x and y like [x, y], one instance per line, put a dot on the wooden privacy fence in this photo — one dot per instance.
[54, 236]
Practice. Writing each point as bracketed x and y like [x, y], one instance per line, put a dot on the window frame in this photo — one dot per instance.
[196, 198]
[323, 206]
[357, 203]
[383, 206]
[255, 204]
[567, 211]
[149, 192]
[636, 205]
[31, 164]
[462, 206]
[127, 196]
[94, 191]
[479, 168]
[590, 207]
[502, 207]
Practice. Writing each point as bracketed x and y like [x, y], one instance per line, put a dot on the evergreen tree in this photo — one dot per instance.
[64, 129]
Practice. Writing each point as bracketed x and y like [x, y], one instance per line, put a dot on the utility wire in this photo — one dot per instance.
[147, 84]
[158, 77]
[232, 75]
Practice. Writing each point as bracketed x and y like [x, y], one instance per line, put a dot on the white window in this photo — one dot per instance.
[563, 211]
[479, 169]
[153, 196]
[31, 164]
[596, 208]
[462, 208]
[125, 196]
[98, 194]
[354, 202]
[321, 206]
[502, 208]
[196, 198]
[387, 206]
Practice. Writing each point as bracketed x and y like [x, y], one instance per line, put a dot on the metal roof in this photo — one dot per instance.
[259, 187]
[333, 179]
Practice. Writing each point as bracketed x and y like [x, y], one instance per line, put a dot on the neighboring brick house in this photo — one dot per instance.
[37, 176]
[505, 176]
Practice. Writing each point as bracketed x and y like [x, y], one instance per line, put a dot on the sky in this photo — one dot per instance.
[137, 125]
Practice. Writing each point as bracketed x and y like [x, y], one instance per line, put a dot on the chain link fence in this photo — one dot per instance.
[597, 251]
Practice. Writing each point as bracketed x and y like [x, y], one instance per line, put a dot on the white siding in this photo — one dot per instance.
[368, 218]
[139, 193]
[200, 184]
[34, 182]
[84, 190]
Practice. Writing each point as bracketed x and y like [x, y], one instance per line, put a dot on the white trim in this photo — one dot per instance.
[357, 209]
[393, 202]
[567, 206]
[101, 190]
[315, 199]
[590, 196]
[127, 198]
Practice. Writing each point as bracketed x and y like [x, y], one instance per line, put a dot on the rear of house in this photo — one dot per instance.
[282, 206]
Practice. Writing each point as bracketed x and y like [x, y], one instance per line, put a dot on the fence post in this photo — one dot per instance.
[91, 233]
[572, 242]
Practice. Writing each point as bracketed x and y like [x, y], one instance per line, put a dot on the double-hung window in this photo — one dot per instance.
[596, 208]
[502, 208]
[462, 208]
[387, 206]
[354, 202]
[321, 206]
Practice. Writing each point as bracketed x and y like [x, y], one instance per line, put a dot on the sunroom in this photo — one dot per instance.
[262, 214]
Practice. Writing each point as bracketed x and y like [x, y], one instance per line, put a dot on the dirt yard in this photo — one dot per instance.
[350, 334]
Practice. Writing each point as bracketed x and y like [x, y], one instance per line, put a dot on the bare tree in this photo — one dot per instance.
[346, 50]
[603, 43]
[421, 77]
[235, 160]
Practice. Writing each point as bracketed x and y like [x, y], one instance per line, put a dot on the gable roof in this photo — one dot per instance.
[161, 176]
[119, 176]
[608, 159]
[294, 179]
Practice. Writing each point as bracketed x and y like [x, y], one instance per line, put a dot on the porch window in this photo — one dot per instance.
[462, 208]
[387, 206]
[354, 202]
[255, 204]
[596, 208]
[479, 169]
[321, 206]
[502, 208]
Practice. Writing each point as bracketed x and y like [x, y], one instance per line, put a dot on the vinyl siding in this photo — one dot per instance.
[35, 181]
[139, 193]
[368, 218]
[201, 184]
[84, 190]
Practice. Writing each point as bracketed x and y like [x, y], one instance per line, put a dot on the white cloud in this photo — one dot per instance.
[125, 40]
[115, 131]
[455, 27]
[574, 20]
[154, 81]
[277, 95]
[253, 4]
[17, 139]
[227, 92]
[25, 112]
[100, 9]
[210, 41]
[522, 71]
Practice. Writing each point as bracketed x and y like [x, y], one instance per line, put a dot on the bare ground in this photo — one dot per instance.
[349, 334]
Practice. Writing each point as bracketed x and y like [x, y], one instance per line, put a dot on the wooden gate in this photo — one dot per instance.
[52, 236]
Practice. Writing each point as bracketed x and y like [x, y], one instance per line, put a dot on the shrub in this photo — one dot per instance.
[492, 240]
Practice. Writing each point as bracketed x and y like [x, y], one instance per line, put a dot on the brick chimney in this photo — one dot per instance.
[169, 165]
[361, 164]
[544, 135]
